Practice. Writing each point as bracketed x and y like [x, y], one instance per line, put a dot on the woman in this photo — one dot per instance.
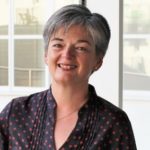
[69, 115]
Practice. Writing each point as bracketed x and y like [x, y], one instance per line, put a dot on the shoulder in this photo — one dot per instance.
[117, 123]
[113, 116]
[113, 122]
[32, 98]
[16, 110]
[109, 108]
[22, 103]
[105, 107]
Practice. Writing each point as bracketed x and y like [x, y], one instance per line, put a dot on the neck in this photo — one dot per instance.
[69, 97]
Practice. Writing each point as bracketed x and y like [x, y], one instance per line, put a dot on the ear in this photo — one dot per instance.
[46, 57]
[98, 64]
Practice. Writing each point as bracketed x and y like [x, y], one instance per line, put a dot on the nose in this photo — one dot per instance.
[69, 51]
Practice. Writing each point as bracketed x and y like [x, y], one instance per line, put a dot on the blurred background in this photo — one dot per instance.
[22, 68]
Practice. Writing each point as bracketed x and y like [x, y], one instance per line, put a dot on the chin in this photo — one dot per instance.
[64, 80]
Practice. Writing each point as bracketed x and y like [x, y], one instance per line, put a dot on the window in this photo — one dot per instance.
[3, 43]
[3, 62]
[137, 45]
[21, 47]
[21, 41]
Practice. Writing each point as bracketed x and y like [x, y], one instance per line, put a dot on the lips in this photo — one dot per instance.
[67, 66]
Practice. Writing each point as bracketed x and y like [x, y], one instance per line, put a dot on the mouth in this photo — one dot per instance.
[67, 67]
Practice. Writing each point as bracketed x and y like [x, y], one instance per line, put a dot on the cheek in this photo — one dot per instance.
[87, 67]
[48, 57]
[52, 62]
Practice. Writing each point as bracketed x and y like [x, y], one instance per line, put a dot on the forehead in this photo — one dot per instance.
[79, 30]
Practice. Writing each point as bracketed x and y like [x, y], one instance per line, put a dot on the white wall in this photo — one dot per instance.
[139, 114]
[5, 99]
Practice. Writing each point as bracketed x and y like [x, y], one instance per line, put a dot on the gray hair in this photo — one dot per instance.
[75, 14]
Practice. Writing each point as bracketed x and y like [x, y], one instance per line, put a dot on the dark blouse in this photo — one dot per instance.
[27, 123]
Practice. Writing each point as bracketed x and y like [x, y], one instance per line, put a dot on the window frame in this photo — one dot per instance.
[131, 93]
[11, 89]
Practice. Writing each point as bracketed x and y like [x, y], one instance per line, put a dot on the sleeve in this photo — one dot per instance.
[4, 134]
[127, 139]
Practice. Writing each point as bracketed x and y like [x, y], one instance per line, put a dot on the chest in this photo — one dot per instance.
[45, 133]
[63, 129]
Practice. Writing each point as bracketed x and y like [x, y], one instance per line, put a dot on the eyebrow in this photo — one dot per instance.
[78, 41]
[57, 39]
[84, 41]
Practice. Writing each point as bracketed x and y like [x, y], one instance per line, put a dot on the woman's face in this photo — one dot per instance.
[71, 56]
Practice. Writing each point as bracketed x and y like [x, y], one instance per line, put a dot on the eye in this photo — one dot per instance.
[57, 45]
[81, 49]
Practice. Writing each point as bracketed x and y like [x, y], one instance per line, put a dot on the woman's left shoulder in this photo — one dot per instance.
[110, 110]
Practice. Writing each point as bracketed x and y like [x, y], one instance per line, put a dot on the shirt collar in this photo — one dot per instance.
[91, 98]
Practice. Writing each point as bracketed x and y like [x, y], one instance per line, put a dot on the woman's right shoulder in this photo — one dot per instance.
[21, 104]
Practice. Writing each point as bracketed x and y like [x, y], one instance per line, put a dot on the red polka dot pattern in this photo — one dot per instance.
[28, 123]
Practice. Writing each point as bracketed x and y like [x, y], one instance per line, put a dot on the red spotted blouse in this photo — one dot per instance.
[28, 123]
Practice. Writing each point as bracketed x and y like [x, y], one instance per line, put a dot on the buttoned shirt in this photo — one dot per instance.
[28, 123]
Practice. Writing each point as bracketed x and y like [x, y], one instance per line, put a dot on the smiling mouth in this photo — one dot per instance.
[67, 67]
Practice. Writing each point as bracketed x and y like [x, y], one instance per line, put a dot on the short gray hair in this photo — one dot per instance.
[75, 14]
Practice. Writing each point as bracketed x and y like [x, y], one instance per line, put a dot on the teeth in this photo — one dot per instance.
[66, 66]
